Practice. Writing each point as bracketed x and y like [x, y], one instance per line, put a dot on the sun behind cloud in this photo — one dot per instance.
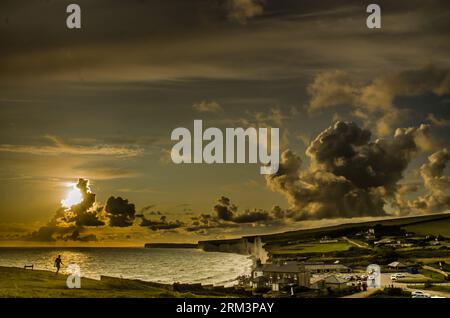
[74, 196]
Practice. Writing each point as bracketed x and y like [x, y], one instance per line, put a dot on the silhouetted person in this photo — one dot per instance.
[58, 263]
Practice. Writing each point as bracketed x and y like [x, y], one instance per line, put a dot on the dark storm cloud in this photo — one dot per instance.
[225, 215]
[48, 233]
[161, 224]
[224, 210]
[204, 223]
[345, 150]
[75, 236]
[121, 213]
[349, 175]
[54, 231]
[147, 208]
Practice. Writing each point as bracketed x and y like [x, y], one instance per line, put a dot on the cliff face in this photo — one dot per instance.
[245, 246]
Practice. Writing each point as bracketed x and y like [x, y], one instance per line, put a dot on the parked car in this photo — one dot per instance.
[419, 294]
[396, 276]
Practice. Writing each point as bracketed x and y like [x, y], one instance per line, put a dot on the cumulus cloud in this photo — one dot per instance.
[349, 174]
[437, 185]
[121, 213]
[70, 222]
[375, 102]
[440, 122]
[224, 209]
[161, 224]
[252, 216]
[242, 10]
[52, 233]
[330, 89]
[85, 213]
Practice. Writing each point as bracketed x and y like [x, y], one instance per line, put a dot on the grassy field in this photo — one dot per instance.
[441, 227]
[20, 283]
[430, 277]
[308, 248]
[346, 229]
[427, 261]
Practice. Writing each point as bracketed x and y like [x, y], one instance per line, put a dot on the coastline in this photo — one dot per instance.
[96, 270]
[26, 283]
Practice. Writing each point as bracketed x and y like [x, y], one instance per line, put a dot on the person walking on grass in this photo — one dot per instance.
[58, 263]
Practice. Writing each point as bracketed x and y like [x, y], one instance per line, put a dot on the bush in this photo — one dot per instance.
[262, 290]
[391, 292]
[385, 256]
[301, 289]
[394, 291]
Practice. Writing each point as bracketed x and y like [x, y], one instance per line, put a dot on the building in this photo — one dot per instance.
[326, 240]
[277, 276]
[321, 268]
[392, 243]
[370, 235]
[435, 242]
[331, 282]
[384, 241]
[397, 265]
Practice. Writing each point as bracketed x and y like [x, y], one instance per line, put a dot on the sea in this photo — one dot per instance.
[164, 265]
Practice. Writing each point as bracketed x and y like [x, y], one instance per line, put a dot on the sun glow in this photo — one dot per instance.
[73, 197]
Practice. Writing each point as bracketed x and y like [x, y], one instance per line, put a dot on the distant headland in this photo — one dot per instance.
[170, 245]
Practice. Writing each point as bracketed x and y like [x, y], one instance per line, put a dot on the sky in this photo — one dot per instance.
[363, 116]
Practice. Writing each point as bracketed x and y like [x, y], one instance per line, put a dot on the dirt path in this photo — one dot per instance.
[354, 243]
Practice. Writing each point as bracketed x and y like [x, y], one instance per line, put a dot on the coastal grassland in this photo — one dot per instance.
[309, 248]
[428, 277]
[438, 227]
[431, 261]
[21, 283]
[390, 226]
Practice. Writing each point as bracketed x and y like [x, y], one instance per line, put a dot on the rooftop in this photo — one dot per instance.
[290, 267]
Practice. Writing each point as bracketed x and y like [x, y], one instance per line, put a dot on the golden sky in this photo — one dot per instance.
[101, 102]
